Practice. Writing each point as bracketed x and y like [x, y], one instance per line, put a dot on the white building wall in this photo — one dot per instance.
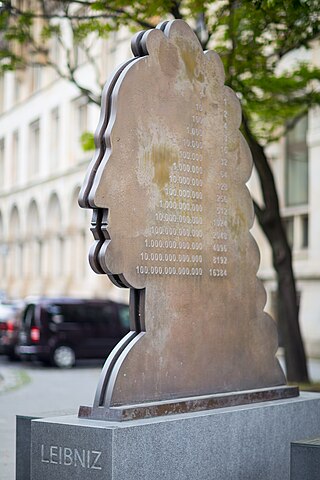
[60, 237]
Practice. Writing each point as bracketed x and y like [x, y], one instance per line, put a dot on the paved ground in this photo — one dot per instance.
[35, 390]
[31, 389]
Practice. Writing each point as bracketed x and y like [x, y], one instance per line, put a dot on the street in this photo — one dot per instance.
[32, 389]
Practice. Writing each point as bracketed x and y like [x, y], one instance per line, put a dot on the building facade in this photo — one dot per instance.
[296, 167]
[44, 235]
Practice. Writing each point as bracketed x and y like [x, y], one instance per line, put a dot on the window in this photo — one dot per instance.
[288, 226]
[297, 230]
[20, 264]
[34, 151]
[55, 51]
[54, 138]
[296, 220]
[15, 157]
[28, 318]
[2, 153]
[81, 125]
[17, 87]
[61, 264]
[82, 118]
[124, 316]
[304, 231]
[297, 164]
[36, 74]
[38, 258]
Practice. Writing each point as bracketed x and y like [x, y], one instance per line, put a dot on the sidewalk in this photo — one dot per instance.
[11, 379]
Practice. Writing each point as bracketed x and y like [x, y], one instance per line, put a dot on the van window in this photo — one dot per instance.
[54, 314]
[124, 316]
[81, 313]
[28, 317]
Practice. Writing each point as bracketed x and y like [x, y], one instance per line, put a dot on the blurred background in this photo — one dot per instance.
[55, 57]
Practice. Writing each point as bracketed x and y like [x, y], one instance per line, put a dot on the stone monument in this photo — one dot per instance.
[171, 221]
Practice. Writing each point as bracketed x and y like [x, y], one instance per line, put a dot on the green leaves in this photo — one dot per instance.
[253, 37]
[87, 141]
[257, 38]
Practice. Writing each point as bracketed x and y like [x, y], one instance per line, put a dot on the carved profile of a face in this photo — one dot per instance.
[152, 103]
[172, 216]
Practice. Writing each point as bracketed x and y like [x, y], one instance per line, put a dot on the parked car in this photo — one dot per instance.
[61, 330]
[9, 329]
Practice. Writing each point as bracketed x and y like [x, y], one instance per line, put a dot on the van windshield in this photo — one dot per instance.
[124, 316]
[79, 313]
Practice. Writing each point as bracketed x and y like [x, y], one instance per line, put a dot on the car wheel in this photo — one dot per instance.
[63, 357]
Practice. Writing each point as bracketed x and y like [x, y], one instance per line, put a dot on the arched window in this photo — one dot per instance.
[77, 231]
[3, 254]
[55, 237]
[34, 240]
[15, 265]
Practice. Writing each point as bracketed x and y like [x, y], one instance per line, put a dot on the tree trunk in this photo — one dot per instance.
[270, 221]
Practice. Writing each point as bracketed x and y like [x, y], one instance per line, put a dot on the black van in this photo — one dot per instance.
[60, 330]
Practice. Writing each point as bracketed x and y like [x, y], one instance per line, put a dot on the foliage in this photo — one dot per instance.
[309, 387]
[87, 141]
[252, 37]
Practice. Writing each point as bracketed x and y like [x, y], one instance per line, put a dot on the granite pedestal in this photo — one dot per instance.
[23, 441]
[23, 446]
[305, 459]
[249, 442]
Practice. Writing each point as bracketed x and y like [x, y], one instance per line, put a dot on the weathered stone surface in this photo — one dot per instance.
[63, 448]
[23, 446]
[23, 440]
[172, 216]
[251, 442]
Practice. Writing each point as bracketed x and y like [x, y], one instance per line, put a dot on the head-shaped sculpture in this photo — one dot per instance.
[172, 217]
[151, 107]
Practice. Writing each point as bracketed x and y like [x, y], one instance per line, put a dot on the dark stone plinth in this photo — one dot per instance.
[248, 442]
[23, 446]
[305, 459]
[23, 441]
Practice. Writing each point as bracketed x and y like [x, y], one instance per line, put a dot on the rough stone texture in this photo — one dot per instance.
[172, 221]
[305, 459]
[245, 443]
[23, 440]
[23, 446]
[67, 448]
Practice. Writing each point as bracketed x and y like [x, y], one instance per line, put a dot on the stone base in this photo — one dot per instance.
[305, 459]
[23, 441]
[188, 405]
[23, 446]
[248, 442]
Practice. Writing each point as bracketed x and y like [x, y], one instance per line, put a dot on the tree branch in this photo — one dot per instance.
[175, 10]
[113, 14]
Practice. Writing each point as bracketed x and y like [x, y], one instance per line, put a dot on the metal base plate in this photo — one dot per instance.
[186, 405]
